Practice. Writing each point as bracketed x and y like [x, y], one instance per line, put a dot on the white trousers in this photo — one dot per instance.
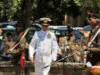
[40, 70]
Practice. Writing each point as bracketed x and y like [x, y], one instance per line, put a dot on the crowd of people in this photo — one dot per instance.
[45, 47]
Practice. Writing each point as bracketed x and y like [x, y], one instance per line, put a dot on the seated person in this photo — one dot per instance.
[9, 42]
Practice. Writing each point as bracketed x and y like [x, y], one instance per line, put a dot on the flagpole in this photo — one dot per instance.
[94, 38]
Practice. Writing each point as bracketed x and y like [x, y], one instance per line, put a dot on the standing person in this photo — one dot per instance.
[43, 48]
[83, 36]
[23, 47]
[93, 56]
[89, 30]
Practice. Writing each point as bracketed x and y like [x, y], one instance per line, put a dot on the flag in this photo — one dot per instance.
[22, 60]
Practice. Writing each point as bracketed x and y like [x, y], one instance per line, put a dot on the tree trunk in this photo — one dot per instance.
[26, 11]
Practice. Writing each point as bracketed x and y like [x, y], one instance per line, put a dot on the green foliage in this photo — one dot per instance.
[7, 9]
[55, 9]
[71, 8]
[78, 2]
[1, 9]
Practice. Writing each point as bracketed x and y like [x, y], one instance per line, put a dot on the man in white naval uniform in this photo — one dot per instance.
[44, 46]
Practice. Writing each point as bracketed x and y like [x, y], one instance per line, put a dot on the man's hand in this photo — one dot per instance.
[32, 61]
[85, 33]
[85, 47]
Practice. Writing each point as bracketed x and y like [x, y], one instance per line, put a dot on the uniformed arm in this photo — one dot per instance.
[55, 48]
[86, 31]
[32, 46]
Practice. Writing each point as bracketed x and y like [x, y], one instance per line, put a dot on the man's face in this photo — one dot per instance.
[45, 27]
[93, 21]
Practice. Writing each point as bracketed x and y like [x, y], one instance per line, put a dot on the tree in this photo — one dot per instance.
[8, 9]
[49, 8]
[24, 13]
[26, 10]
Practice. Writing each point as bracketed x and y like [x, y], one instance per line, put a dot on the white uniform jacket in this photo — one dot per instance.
[45, 47]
